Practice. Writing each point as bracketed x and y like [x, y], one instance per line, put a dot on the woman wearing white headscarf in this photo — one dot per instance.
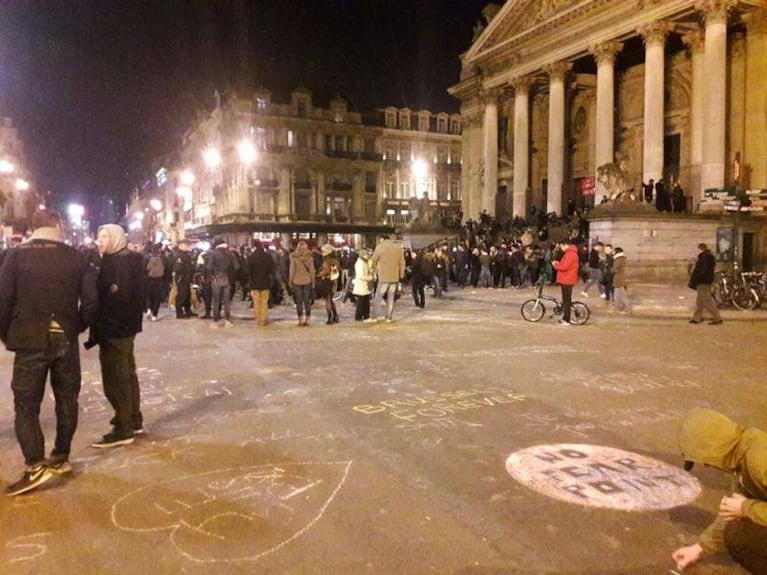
[121, 306]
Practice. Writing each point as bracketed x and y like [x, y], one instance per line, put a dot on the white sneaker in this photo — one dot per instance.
[228, 323]
[563, 322]
[603, 296]
[370, 320]
[389, 320]
[149, 314]
[153, 317]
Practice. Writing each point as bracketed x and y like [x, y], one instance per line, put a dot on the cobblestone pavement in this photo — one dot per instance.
[459, 439]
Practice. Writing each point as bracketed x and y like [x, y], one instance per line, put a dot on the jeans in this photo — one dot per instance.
[304, 295]
[595, 277]
[567, 299]
[260, 305]
[30, 370]
[621, 298]
[221, 294]
[390, 289]
[155, 291]
[418, 286]
[118, 375]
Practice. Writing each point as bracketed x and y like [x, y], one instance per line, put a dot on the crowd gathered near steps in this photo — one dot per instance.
[107, 288]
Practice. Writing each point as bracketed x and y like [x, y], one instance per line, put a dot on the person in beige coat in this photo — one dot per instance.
[301, 279]
[388, 262]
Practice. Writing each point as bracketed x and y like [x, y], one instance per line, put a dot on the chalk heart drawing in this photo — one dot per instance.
[235, 514]
[604, 477]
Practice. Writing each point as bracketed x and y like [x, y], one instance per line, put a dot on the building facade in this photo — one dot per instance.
[18, 200]
[672, 90]
[257, 168]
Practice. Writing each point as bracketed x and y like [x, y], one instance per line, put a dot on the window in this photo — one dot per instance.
[404, 188]
[455, 190]
[455, 125]
[423, 122]
[390, 151]
[302, 110]
[261, 104]
[404, 152]
[371, 180]
[455, 155]
[442, 124]
[442, 155]
[404, 120]
[391, 119]
[291, 139]
[259, 138]
[391, 189]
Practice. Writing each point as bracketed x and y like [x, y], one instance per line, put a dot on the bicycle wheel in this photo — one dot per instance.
[744, 298]
[579, 313]
[533, 310]
[719, 293]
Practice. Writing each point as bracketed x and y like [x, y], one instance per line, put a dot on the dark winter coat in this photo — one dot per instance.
[703, 273]
[43, 281]
[262, 269]
[122, 296]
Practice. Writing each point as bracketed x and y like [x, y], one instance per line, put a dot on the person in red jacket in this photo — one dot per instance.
[567, 275]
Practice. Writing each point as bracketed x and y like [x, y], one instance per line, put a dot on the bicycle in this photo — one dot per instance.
[534, 309]
[731, 289]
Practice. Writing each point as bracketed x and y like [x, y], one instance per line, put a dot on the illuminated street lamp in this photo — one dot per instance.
[246, 152]
[22, 185]
[420, 169]
[6, 167]
[212, 158]
[155, 204]
[187, 178]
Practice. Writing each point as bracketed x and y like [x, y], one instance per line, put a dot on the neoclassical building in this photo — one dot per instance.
[675, 90]
[258, 168]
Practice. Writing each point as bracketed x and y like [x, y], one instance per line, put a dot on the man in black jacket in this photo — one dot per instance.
[261, 267]
[47, 297]
[701, 279]
[120, 311]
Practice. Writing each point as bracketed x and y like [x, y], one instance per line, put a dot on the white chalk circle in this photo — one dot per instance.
[603, 477]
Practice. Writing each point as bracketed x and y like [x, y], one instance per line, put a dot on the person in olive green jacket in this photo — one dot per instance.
[740, 527]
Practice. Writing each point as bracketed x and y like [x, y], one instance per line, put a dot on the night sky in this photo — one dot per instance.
[98, 89]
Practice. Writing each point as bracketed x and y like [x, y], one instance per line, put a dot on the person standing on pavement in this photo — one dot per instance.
[301, 277]
[620, 294]
[222, 268]
[740, 527]
[388, 261]
[363, 279]
[261, 268]
[700, 280]
[155, 281]
[567, 276]
[41, 326]
[122, 293]
[595, 264]
[183, 274]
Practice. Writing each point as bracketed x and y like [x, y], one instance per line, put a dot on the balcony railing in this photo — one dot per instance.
[341, 187]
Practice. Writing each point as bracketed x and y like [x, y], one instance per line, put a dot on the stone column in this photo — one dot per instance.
[521, 145]
[654, 38]
[471, 165]
[694, 41]
[604, 54]
[715, 92]
[556, 154]
[490, 151]
[755, 149]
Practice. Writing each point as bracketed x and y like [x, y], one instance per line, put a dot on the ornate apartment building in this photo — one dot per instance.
[672, 90]
[17, 199]
[258, 167]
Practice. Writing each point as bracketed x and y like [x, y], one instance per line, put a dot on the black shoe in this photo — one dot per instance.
[694, 321]
[59, 464]
[33, 478]
[112, 440]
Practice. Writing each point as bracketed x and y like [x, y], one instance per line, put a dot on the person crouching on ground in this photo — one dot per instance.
[740, 527]
[118, 320]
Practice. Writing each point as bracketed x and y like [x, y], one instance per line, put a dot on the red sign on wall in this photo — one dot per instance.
[587, 186]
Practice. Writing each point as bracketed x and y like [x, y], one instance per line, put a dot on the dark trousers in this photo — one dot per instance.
[30, 370]
[303, 296]
[121, 387]
[747, 544]
[221, 297]
[183, 299]
[419, 294]
[363, 307]
[155, 293]
[567, 299]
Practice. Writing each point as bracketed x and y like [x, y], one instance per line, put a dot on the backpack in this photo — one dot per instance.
[155, 268]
